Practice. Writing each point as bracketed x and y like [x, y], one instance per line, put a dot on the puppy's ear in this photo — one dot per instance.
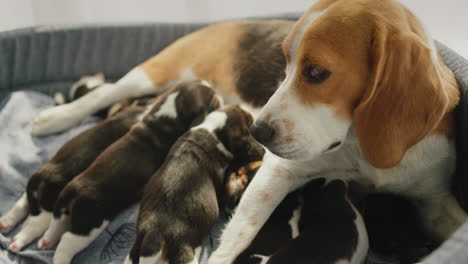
[198, 119]
[215, 103]
[405, 99]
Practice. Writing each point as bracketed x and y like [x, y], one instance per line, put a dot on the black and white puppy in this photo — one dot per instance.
[183, 199]
[115, 180]
[315, 224]
[395, 229]
[45, 185]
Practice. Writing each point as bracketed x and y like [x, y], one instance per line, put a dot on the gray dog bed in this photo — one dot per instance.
[49, 59]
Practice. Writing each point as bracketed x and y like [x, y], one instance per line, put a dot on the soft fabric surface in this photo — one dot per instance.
[21, 155]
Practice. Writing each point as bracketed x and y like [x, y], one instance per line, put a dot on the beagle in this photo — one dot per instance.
[188, 191]
[363, 94]
[366, 97]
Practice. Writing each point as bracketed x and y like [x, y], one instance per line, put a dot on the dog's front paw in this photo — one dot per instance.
[55, 119]
[44, 244]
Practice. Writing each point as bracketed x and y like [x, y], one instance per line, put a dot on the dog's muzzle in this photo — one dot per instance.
[262, 132]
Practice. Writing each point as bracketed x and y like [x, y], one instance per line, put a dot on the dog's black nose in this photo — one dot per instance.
[262, 132]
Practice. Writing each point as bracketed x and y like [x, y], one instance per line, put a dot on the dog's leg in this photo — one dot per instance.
[196, 256]
[134, 84]
[148, 246]
[33, 227]
[70, 244]
[58, 226]
[273, 181]
[441, 215]
[16, 214]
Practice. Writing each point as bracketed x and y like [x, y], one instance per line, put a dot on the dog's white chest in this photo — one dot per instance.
[425, 168]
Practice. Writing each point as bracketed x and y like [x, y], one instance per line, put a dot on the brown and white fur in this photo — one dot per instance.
[362, 77]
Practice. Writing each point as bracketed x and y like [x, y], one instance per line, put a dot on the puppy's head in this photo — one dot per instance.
[231, 125]
[235, 134]
[195, 100]
[364, 63]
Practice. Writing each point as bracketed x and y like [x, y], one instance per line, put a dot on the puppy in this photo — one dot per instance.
[395, 230]
[83, 86]
[45, 185]
[237, 180]
[116, 178]
[315, 224]
[183, 198]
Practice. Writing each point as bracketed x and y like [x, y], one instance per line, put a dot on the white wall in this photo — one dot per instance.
[15, 14]
[446, 20]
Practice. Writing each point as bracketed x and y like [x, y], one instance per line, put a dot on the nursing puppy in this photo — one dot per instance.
[115, 180]
[183, 198]
[394, 229]
[315, 224]
[237, 178]
[45, 185]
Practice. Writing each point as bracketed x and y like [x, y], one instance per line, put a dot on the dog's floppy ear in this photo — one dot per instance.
[405, 99]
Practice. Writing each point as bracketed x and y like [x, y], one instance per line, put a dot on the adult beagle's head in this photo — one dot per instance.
[366, 63]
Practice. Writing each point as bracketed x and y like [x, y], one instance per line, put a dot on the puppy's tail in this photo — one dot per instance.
[64, 201]
[148, 244]
[32, 194]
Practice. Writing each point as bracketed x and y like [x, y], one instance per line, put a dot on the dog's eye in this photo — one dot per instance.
[315, 73]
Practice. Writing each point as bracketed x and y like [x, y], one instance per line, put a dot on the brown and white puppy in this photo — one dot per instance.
[365, 93]
[116, 178]
[183, 198]
[45, 185]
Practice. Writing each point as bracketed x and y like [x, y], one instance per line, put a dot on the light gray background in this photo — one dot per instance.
[446, 20]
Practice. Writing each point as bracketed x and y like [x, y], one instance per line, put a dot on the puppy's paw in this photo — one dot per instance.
[55, 119]
[219, 258]
[44, 244]
[32, 228]
[19, 241]
[6, 224]
[127, 260]
[17, 245]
